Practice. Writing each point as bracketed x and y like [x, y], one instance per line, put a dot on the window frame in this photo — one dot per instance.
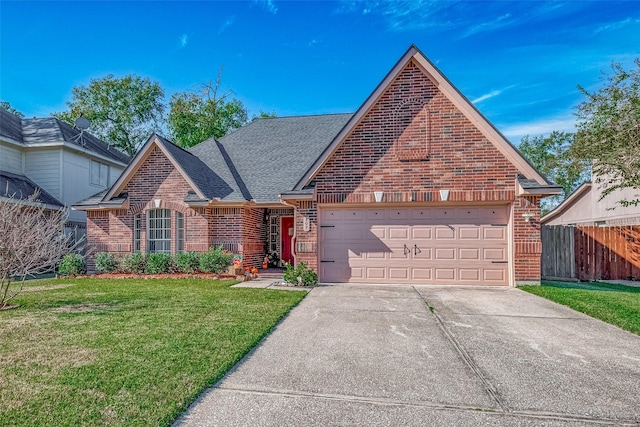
[159, 231]
[179, 232]
[102, 173]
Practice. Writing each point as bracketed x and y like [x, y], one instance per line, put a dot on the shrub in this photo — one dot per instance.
[158, 263]
[134, 263]
[300, 274]
[215, 260]
[72, 265]
[106, 262]
[187, 262]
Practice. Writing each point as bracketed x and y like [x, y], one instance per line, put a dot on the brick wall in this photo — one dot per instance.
[412, 143]
[306, 248]
[254, 237]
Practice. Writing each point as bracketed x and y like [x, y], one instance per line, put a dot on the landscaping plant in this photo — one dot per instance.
[187, 262]
[158, 263]
[106, 262]
[72, 265]
[300, 275]
[134, 263]
[215, 260]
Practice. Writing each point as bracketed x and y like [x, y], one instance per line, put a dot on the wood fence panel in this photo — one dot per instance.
[607, 253]
[558, 259]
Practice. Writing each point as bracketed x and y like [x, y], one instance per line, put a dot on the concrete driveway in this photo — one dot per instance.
[424, 355]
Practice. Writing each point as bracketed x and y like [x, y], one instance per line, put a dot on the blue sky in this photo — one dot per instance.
[518, 61]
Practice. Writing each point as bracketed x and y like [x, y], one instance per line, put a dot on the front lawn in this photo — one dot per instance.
[615, 304]
[125, 352]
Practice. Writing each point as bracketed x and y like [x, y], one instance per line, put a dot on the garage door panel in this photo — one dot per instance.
[453, 245]
[445, 274]
[494, 254]
[445, 254]
[469, 233]
[494, 233]
[470, 274]
[466, 254]
[445, 233]
[421, 232]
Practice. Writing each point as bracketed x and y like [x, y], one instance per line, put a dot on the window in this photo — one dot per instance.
[179, 232]
[159, 230]
[99, 174]
[137, 225]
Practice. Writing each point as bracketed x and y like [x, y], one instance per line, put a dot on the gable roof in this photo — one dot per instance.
[269, 155]
[19, 187]
[453, 94]
[567, 203]
[50, 130]
[206, 183]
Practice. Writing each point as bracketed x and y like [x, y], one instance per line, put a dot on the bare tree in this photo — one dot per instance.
[32, 241]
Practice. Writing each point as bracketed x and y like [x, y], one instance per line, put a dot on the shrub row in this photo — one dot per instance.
[215, 260]
[299, 275]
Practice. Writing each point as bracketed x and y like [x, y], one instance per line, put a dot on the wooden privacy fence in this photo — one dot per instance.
[591, 252]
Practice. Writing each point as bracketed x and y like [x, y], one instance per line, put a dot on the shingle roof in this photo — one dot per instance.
[270, 155]
[21, 187]
[10, 125]
[51, 130]
[206, 179]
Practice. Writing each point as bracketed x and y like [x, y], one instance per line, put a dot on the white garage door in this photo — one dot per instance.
[454, 245]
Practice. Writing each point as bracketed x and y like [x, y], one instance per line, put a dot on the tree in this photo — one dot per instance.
[197, 116]
[5, 105]
[609, 131]
[123, 111]
[550, 155]
[33, 242]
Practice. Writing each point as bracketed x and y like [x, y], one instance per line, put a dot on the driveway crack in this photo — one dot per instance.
[488, 386]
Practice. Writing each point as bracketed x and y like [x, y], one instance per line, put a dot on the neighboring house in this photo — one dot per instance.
[52, 157]
[585, 207]
[415, 187]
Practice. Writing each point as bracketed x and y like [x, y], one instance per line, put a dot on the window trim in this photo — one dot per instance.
[180, 232]
[161, 225]
[102, 181]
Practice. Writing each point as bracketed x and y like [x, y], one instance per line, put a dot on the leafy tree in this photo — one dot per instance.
[609, 131]
[33, 242]
[5, 105]
[197, 116]
[264, 115]
[123, 111]
[550, 155]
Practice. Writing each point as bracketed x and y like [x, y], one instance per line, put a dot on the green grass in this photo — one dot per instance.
[615, 304]
[125, 352]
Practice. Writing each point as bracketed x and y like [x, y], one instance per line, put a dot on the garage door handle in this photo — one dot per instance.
[406, 250]
[324, 260]
[416, 250]
[499, 262]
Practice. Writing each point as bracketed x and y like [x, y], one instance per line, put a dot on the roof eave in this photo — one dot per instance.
[567, 203]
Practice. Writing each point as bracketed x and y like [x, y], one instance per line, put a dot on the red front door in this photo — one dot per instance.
[286, 233]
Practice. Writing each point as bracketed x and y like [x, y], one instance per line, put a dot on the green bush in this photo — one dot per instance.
[106, 262]
[72, 265]
[158, 263]
[134, 263]
[215, 260]
[187, 262]
[300, 275]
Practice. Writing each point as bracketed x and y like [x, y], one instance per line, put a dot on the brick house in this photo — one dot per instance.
[416, 186]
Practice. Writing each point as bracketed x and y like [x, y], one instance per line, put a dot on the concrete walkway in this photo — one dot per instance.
[436, 356]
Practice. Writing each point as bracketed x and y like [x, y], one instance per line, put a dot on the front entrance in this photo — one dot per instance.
[286, 233]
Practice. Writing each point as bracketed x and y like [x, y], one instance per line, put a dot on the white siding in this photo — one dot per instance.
[10, 159]
[43, 167]
[76, 180]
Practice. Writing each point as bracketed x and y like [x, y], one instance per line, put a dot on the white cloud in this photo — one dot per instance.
[184, 39]
[499, 22]
[616, 25]
[268, 5]
[226, 24]
[487, 96]
[545, 126]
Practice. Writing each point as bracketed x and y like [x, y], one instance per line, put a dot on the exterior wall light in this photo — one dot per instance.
[527, 216]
